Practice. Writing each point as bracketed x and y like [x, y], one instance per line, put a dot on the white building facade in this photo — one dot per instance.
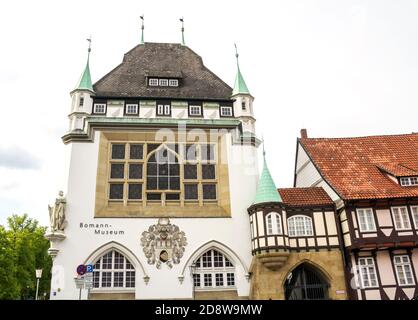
[163, 168]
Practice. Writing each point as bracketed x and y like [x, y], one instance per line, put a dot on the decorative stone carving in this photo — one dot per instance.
[163, 243]
[58, 223]
[57, 214]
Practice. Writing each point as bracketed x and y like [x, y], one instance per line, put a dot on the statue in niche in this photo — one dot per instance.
[57, 214]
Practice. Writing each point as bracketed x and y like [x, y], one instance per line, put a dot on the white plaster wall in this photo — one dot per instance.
[164, 283]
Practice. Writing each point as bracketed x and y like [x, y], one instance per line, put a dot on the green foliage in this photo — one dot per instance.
[23, 249]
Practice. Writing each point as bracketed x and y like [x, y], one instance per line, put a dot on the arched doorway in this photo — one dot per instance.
[306, 283]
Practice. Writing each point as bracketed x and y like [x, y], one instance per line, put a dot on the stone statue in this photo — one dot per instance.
[57, 214]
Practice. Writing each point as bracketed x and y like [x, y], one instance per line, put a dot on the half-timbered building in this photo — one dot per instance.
[374, 183]
[295, 242]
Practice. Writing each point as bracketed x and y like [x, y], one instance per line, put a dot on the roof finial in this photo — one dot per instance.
[89, 49]
[264, 151]
[236, 53]
[182, 31]
[142, 29]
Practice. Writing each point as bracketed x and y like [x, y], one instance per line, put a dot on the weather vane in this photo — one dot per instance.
[142, 29]
[182, 31]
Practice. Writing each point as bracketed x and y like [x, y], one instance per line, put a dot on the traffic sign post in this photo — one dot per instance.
[84, 280]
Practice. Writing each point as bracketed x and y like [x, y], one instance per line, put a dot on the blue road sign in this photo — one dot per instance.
[89, 268]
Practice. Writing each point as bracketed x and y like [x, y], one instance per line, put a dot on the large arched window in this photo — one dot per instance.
[274, 225]
[113, 270]
[213, 270]
[300, 226]
[163, 175]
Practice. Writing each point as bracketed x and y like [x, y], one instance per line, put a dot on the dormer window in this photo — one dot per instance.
[153, 82]
[131, 109]
[163, 83]
[163, 108]
[99, 108]
[409, 181]
[226, 111]
[195, 110]
[173, 83]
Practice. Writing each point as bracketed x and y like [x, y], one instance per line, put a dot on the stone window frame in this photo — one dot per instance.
[99, 271]
[199, 162]
[203, 272]
[126, 180]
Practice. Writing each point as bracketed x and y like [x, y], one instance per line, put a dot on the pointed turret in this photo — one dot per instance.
[85, 81]
[81, 96]
[240, 87]
[243, 101]
[266, 190]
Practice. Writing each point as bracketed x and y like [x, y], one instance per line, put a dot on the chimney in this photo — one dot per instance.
[303, 133]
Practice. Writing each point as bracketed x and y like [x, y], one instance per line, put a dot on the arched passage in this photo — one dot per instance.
[306, 282]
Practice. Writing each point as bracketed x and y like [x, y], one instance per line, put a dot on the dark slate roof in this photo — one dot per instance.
[162, 60]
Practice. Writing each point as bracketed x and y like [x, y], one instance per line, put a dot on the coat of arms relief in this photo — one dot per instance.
[163, 243]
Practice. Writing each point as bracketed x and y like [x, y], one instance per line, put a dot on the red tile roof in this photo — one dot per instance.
[355, 167]
[300, 197]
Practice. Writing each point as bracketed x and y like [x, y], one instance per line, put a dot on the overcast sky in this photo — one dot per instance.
[337, 68]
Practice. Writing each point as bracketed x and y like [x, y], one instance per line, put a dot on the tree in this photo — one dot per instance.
[23, 249]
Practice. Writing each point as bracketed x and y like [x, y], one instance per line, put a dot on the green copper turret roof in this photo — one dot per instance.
[240, 87]
[85, 80]
[266, 190]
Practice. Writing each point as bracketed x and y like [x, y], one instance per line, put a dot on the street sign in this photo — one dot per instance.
[88, 281]
[89, 268]
[79, 282]
[81, 269]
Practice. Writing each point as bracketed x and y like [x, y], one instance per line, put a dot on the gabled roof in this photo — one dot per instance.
[301, 197]
[266, 190]
[162, 60]
[353, 166]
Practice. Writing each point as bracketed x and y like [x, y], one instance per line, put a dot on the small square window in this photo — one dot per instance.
[136, 151]
[190, 192]
[163, 83]
[209, 192]
[173, 83]
[195, 110]
[135, 171]
[131, 109]
[118, 151]
[117, 170]
[190, 171]
[208, 171]
[135, 191]
[226, 111]
[152, 82]
[99, 108]
[116, 191]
